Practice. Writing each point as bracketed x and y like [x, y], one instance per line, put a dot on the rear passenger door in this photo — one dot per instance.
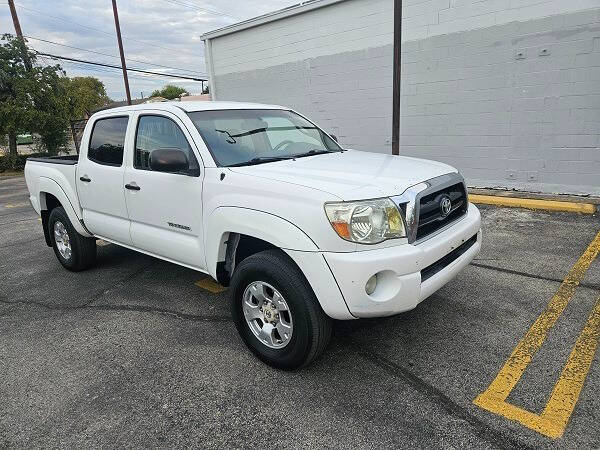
[165, 208]
[100, 179]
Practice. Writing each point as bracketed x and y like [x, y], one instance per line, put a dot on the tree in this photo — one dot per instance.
[206, 89]
[31, 99]
[85, 95]
[170, 92]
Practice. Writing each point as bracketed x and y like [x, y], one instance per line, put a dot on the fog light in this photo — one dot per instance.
[371, 285]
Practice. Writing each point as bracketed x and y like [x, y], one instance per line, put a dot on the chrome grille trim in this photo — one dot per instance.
[409, 201]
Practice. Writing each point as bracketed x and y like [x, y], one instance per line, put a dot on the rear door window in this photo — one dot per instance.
[107, 141]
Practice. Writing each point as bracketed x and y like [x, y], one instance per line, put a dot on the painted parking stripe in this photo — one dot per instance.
[210, 285]
[532, 203]
[15, 194]
[569, 385]
[555, 416]
[16, 205]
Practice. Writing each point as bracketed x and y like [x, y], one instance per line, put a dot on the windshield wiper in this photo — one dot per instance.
[266, 159]
[313, 152]
[260, 160]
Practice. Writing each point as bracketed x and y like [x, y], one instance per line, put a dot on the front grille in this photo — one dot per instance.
[445, 261]
[431, 218]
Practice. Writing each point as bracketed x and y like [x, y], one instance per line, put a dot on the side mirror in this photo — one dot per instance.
[168, 160]
[334, 137]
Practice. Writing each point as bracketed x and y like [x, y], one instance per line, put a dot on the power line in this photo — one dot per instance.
[200, 8]
[106, 32]
[107, 54]
[119, 67]
[104, 71]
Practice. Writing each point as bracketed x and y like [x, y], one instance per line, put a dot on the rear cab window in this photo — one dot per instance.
[107, 141]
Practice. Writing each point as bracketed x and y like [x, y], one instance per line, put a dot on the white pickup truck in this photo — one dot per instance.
[301, 230]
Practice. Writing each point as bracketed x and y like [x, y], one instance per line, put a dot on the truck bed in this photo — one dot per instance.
[69, 160]
[55, 175]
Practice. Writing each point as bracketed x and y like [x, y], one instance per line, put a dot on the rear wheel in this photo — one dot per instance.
[74, 251]
[276, 312]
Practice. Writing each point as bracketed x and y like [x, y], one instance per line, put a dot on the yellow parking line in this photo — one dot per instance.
[553, 420]
[567, 389]
[210, 285]
[15, 205]
[531, 203]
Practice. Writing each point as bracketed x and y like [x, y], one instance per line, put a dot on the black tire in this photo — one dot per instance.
[83, 249]
[311, 326]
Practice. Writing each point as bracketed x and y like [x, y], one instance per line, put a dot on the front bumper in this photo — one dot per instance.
[399, 278]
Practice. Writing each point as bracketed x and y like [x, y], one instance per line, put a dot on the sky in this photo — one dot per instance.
[156, 33]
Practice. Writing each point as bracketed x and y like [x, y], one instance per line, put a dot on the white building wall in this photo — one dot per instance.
[508, 91]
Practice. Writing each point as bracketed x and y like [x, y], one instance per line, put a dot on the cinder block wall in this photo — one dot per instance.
[508, 91]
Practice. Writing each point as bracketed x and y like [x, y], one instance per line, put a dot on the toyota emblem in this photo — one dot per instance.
[445, 205]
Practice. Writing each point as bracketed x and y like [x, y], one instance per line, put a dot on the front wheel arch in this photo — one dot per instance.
[238, 247]
[227, 222]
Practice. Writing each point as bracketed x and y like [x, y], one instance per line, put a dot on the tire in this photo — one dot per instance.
[82, 254]
[276, 273]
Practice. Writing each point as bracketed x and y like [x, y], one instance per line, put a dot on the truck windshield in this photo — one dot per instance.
[256, 136]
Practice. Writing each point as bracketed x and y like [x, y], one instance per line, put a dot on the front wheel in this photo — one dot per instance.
[276, 312]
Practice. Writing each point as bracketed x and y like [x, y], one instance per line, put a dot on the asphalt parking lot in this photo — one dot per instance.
[134, 353]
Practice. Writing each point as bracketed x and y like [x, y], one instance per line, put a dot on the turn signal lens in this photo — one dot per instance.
[342, 229]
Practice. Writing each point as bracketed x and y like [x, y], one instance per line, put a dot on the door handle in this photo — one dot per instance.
[85, 179]
[133, 187]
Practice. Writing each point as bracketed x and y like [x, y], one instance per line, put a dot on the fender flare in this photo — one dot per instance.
[49, 186]
[259, 224]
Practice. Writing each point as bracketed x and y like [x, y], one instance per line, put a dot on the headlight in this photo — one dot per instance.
[367, 221]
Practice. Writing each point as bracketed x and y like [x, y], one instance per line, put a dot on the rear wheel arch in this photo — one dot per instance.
[52, 195]
[47, 203]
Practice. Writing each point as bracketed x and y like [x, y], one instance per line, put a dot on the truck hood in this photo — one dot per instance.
[352, 174]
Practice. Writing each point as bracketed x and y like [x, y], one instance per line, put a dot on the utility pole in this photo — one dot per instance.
[397, 75]
[123, 66]
[12, 134]
[15, 19]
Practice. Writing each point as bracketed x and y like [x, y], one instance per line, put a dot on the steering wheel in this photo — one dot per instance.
[281, 144]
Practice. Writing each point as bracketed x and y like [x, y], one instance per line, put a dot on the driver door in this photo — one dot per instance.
[165, 208]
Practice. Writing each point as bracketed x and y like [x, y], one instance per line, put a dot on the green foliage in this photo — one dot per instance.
[170, 92]
[32, 99]
[85, 95]
[18, 164]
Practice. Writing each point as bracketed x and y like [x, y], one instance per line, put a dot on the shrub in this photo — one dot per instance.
[20, 163]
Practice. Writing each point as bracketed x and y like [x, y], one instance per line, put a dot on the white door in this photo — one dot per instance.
[100, 184]
[165, 208]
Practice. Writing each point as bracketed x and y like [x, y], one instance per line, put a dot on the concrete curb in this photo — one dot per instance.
[530, 203]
